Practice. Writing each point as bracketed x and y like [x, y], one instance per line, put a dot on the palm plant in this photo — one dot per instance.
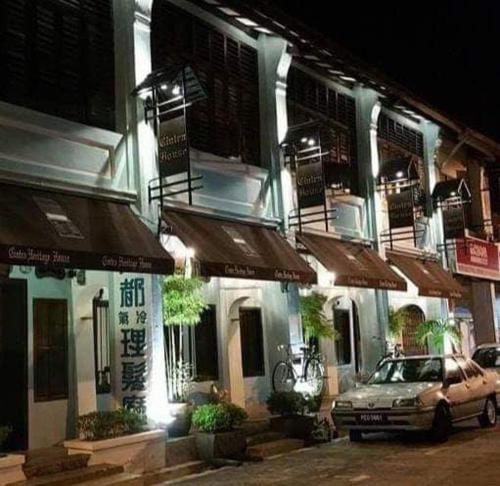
[314, 321]
[436, 331]
[397, 321]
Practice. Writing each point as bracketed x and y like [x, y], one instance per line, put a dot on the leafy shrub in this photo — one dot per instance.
[5, 431]
[314, 320]
[107, 425]
[219, 417]
[286, 403]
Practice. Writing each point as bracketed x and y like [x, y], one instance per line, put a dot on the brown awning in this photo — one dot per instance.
[49, 228]
[227, 248]
[429, 276]
[354, 265]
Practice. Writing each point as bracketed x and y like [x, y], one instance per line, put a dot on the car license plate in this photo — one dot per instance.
[372, 418]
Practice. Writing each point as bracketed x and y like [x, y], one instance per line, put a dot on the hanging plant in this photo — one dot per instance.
[183, 304]
[314, 321]
[435, 331]
[397, 321]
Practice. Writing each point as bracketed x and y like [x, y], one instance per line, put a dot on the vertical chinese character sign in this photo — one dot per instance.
[133, 339]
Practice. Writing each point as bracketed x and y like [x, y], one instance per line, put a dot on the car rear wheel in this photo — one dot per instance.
[489, 416]
[441, 427]
[355, 436]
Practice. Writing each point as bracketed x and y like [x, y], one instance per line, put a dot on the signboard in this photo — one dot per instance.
[478, 258]
[173, 150]
[400, 207]
[133, 306]
[310, 185]
[453, 222]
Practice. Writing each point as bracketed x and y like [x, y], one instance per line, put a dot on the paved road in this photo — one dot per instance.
[471, 457]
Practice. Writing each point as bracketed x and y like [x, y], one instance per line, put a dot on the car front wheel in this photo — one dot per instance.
[489, 416]
[441, 426]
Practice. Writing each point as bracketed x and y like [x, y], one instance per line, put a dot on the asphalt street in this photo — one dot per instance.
[470, 457]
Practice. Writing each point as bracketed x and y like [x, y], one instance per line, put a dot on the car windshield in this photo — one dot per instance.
[487, 357]
[408, 371]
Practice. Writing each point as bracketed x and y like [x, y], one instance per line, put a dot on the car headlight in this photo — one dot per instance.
[339, 404]
[406, 402]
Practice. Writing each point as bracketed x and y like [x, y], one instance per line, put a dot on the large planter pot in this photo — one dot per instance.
[295, 426]
[11, 468]
[221, 445]
[137, 453]
[181, 414]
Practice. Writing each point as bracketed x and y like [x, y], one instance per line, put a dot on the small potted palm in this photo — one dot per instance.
[436, 331]
[217, 435]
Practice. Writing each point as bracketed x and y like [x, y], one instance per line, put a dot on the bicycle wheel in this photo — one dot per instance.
[283, 377]
[314, 376]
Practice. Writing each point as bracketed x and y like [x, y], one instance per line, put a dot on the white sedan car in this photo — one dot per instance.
[418, 393]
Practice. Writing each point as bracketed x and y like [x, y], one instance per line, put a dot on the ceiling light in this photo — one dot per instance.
[348, 78]
[247, 22]
[229, 11]
[264, 30]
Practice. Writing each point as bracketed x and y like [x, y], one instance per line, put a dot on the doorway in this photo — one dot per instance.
[13, 362]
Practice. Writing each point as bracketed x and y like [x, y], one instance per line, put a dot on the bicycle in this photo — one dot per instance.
[285, 376]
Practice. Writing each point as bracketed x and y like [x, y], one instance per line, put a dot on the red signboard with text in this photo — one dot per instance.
[478, 258]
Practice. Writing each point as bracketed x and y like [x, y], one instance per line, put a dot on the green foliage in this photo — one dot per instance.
[5, 431]
[315, 323]
[435, 332]
[219, 417]
[182, 301]
[397, 321]
[107, 425]
[286, 403]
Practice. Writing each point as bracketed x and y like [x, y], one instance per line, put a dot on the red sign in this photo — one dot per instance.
[478, 258]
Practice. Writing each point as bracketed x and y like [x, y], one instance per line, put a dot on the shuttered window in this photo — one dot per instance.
[205, 336]
[252, 342]
[57, 57]
[401, 135]
[309, 99]
[227, 122]
[50, 348]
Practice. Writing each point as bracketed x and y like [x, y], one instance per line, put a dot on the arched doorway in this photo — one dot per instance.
[414, 317]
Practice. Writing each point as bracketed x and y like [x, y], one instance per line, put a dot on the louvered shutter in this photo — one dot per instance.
[227, 123]
[58, 58]
[401, 135]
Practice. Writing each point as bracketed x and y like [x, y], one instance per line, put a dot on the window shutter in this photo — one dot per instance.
[401, 135]
[228, 122]
[58, 58]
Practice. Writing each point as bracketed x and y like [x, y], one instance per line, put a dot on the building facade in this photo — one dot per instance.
[306, 173]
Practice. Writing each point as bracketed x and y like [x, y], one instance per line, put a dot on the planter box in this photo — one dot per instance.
[11, 468]
[137, 453]
[221, 445]
[294, 426]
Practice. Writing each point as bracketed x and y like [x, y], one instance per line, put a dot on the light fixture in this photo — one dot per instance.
[303, 140]
[246, 22]
[350, 79]
[228, 11]
[311, 142]
[164, 87]
[176, 90]
[400, 174]
[263, 30]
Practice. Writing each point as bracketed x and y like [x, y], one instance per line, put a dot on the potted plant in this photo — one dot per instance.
[182, 307]
[119, 437]
[217, 437]
[314, 321]
[436, 331]
[291, 408]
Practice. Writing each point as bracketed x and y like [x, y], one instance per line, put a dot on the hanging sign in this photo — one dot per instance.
[133, 304]
[400, 206]
[478, 258]
[173, 150]
[453, 222]
[310, 184]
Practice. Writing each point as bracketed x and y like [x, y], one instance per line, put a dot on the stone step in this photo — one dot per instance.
[264, 437]
[120, 479]
[255, 426]
[174, 472]
[74, 476]
[46, 463]
[269, 449]
[180, 451]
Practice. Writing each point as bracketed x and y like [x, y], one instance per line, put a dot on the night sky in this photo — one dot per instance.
[447, 52]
